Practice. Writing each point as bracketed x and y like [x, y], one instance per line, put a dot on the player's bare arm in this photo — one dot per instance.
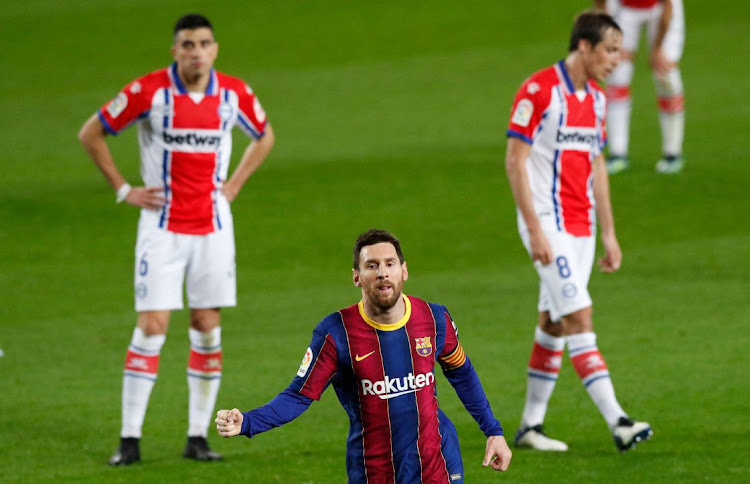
[516, 155]
[251, 159]
[612, 253]
[229, 422]
[92, 137]
[497, 454]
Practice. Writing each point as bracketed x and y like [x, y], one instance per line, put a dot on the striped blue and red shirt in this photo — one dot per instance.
[566, 130]
[384, 377]
[185, 141]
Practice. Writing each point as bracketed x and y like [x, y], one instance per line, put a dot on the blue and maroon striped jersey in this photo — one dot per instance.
[384, 377]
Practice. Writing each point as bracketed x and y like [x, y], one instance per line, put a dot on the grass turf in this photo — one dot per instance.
[386, 114]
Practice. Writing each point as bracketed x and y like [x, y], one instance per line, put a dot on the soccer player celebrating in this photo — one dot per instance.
[185, 114]
[559, 182]
[380, 355]
[664, 21]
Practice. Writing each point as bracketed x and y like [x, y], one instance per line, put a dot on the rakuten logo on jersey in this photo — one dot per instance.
[395, 387]
[192, 140]
[580, 139]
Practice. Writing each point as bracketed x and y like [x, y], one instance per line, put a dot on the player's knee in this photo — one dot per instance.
[623, 73]
[204, 319]
[669, 84]
[580, 321]
[153, 322]
[550, 327]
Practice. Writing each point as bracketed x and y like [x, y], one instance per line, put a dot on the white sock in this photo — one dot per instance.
[619, 105]
[204, 378]
[544, 367]
[141, 369]
[669, 91]
[594, 374]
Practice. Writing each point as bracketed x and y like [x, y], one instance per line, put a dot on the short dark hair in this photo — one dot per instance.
[591, 26]
[372, 237]
[192, 21]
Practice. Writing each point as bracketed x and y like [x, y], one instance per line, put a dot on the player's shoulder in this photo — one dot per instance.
[436, 308]
[539, 84]
[233, 82]
[334, 321]
[150, 81]
[544, 78]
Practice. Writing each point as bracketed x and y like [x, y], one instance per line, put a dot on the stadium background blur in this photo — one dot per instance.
[388, 114]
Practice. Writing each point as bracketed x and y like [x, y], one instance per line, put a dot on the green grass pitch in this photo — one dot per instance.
[388, 114]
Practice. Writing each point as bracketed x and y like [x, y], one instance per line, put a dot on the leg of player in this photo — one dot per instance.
[204, 377]
[543, 370]
[669, 91]
[593, 372]
[619, 105]
[141, 368]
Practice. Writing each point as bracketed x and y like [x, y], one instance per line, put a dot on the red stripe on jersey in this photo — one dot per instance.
[367, 362]
[191, 205]
[325, 366]
[588, 363]
[191, 115]
[422, 324]
[575, 170]
[546, 360]
[574, 199]
[135, 361]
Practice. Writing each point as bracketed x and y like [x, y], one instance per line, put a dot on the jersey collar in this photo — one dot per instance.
[387, 327]
[562, 73]
[180, 87]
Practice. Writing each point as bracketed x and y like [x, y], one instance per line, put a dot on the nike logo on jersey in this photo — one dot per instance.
[360, 358]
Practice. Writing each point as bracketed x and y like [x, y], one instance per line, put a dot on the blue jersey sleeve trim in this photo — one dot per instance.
[469, 390]
[515, 134]
[282, 409]
[106, 124]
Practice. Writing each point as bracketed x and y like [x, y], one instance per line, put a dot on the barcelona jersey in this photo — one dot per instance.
[384, 377]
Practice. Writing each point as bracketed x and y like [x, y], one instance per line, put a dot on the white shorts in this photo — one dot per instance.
[632, 20]
[563, 286]
[164, 260]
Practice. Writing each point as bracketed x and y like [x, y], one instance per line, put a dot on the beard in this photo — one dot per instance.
[384, 302]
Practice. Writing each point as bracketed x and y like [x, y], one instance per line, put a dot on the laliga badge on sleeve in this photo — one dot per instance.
[523, 112]
[306, 360]
[118, 105]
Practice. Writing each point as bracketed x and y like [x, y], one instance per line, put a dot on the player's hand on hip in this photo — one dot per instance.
[497, 454]
[229, 422]
[146, 197]
[540, 249]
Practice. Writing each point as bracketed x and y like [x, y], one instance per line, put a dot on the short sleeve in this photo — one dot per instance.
[130, 104]
[527, 112]
[251, 117]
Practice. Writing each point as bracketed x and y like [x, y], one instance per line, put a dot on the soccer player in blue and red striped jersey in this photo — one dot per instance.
[380, 356]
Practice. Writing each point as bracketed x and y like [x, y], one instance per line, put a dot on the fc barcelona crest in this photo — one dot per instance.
[423, 346]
